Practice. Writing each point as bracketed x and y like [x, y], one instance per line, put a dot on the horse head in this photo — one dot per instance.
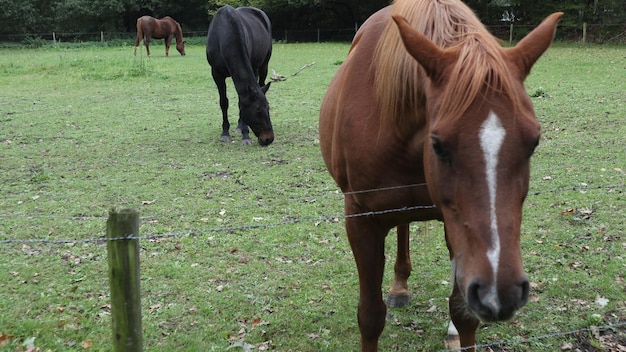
[180, 46]
[254, 111]
[482, 132]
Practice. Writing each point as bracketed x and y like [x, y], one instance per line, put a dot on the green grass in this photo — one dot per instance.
[87, 129]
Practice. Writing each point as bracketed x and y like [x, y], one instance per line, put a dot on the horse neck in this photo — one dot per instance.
[240, 65]
[179, 33]
[244, 78]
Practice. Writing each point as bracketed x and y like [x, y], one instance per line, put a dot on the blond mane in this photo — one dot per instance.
[450, 24]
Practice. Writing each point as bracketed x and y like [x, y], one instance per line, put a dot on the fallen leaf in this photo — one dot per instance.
[241, 343]
[601, 301]
[87, 344]
[154, 307]
[4, 339]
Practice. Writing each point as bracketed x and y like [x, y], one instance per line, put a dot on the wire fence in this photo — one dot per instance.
[586, 33]
[229, 229]
[594, 332]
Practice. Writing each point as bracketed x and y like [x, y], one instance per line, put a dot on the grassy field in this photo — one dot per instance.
[248, 248]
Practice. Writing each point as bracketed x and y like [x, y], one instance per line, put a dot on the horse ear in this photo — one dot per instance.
[532, 46]
[266, 87]
[433, 59]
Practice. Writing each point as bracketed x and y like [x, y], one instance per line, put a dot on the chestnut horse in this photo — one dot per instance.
[428, 118]
[150, 27]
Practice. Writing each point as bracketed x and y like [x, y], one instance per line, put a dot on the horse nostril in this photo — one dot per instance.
[266, 140]
[484, 303]
[473, 298]
[525, 286]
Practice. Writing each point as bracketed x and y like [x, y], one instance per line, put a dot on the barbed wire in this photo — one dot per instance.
[582, 187]
[542, 337]
[335, 218]
[331, 219]
[218, 229]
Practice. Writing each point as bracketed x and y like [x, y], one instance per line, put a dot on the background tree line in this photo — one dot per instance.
[44, 16]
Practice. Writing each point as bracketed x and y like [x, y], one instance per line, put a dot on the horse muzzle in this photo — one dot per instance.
[491, 304]
[266, 138]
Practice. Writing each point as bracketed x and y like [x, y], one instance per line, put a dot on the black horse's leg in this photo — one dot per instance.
[245, 132]
[221, 88]
[262, 74]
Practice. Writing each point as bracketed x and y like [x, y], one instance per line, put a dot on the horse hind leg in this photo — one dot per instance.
[221, 88]
[146, 42]
[399, 294]
[262, 74]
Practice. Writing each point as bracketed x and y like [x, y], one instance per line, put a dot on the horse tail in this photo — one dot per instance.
[139, 33]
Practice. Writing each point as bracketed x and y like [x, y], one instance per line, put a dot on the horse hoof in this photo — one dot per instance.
[453, 342]
[225, 139]
[397, 301]
[246, 141]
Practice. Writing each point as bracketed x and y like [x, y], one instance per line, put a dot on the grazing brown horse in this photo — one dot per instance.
[428, 118]
[166, 27]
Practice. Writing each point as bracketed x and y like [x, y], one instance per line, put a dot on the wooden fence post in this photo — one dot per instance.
[123, 252]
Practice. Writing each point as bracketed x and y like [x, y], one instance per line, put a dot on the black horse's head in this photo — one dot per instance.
[254, 111]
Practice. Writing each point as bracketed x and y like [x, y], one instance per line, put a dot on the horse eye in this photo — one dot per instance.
[440, 150]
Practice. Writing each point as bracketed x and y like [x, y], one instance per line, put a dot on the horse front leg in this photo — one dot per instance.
[463, 324]
[462, 328]
[399, 294]
[220, 82]
[168, 42]
[368, 247]
[245, 132]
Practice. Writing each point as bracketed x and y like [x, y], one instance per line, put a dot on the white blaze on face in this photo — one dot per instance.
[491, 138]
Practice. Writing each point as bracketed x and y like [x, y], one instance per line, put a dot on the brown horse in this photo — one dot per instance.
[428, 118]
[150, 27]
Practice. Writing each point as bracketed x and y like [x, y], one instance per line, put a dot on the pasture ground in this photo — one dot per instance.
[248, 248]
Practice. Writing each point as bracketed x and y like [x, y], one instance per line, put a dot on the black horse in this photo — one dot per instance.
[239, 45]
